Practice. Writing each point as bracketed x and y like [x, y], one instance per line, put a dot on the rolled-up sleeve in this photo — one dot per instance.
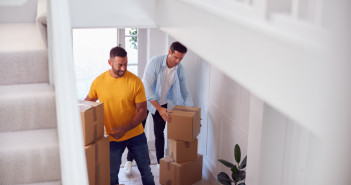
[149, 80]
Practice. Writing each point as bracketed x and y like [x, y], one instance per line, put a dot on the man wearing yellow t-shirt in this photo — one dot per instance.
[125, 108]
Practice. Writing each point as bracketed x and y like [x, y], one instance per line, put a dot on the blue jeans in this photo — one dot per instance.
[129, 155]
[138, 146]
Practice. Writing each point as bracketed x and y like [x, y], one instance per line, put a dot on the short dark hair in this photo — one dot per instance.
[118, 52]
[177, 46]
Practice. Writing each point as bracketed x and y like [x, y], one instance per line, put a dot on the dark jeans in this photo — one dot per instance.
[159, 127]
[138, 146]
[130, 155]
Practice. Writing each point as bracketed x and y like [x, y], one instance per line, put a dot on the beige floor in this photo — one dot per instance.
[135, 178]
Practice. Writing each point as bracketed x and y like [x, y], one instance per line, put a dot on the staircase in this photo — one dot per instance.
[29, 148]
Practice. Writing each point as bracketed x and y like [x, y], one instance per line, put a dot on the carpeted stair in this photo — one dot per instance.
[29, 149]
[23, 55]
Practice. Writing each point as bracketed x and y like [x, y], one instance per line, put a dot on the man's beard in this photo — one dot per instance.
[119, 73]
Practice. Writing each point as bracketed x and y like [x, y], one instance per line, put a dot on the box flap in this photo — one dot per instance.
[85, 105]
[187, 108]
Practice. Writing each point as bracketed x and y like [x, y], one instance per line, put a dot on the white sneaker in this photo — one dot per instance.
[128, 168]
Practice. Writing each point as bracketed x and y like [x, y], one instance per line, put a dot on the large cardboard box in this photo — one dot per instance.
[98, 161]
[185, 123]
[182, 151]
[92, 115]
[185, 173]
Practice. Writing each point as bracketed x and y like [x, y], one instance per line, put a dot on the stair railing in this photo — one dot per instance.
[72, 155]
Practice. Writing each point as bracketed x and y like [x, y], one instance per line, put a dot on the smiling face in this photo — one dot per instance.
[118, 66]
[174, 58]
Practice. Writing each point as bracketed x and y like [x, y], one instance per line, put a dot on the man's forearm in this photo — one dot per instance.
[156, 104]
[136, 120]
[162, 111]
[140, 116]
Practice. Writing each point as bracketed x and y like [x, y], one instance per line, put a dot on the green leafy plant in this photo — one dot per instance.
[133, 40]
[238, 174]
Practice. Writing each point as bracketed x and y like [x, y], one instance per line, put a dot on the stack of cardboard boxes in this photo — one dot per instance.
[183, 166]
[97, 147]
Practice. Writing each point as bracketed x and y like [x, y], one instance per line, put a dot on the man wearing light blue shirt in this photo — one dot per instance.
[165, 86]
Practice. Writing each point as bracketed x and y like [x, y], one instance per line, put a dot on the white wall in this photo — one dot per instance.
[301, 70]
[226, 107]
[271, 62]
[292, 68]
[112, 13]
[283, 152]
[142, 51]
[254, 141]
[279, 149]
[274, 130]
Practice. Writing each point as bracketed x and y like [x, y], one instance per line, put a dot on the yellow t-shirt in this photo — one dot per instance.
[119, 96]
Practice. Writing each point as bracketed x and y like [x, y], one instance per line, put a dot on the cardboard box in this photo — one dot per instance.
[92, 115]
[182, 151]
[192, 109]
[98, 161]
[185, 173]
[90, 157]
[185, 123]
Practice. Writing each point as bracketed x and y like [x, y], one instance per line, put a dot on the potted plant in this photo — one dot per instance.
[238, 174]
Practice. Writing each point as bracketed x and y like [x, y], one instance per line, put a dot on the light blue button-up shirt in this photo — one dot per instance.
[178, 94]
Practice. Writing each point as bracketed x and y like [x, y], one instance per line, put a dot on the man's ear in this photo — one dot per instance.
[169, 51]
[109, 62]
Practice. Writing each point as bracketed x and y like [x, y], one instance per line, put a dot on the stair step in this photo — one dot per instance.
[10, 14]
[27, 107]
[23, 54]
[46, 183]
[29, 157]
